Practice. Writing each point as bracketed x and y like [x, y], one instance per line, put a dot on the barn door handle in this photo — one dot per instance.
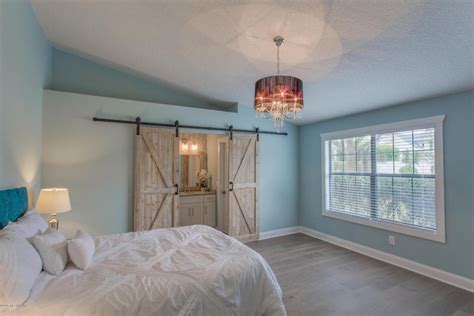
[177, 189]
[231, 186]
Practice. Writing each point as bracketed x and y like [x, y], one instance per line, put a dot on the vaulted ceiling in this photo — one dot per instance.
[353, 56]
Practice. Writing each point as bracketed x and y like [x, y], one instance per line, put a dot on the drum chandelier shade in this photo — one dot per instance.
[279, 97]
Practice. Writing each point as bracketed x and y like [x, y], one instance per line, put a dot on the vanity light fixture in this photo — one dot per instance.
[183, 147]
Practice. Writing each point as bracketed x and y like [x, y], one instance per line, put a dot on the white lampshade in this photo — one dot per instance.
[53, 200]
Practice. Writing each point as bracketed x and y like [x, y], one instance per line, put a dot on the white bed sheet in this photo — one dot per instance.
[193, 270]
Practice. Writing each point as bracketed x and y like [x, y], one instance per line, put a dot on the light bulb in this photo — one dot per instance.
[184, 147]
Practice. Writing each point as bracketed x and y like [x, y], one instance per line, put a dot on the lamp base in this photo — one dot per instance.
[53, 222]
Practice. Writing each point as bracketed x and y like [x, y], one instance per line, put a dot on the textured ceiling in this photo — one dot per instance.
[353, 56]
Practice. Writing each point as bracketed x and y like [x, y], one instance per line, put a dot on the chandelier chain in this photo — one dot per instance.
[278, 59]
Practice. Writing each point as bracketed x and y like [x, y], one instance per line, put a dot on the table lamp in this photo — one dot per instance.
[52, 201]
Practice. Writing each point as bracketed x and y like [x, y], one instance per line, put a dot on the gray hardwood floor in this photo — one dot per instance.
[318, 278]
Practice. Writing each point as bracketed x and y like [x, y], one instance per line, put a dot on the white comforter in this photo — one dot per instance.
[193, 270]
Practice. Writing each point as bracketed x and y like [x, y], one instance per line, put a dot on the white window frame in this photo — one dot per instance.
[435, 122]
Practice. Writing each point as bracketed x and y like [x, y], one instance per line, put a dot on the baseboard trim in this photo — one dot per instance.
[280, 232]
[434, 273]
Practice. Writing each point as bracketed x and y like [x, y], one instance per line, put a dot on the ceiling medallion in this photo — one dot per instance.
[279, 97]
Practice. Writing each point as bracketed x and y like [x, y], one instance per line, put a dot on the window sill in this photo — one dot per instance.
[398, 228]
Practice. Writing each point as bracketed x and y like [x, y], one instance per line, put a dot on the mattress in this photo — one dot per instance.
[193, 270]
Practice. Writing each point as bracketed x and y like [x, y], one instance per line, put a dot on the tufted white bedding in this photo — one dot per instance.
[193, 270]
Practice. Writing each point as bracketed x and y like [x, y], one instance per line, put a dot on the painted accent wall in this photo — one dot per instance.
[457, 254]
[49, 139]
[76, 73]
[95, 160]
[25, 63]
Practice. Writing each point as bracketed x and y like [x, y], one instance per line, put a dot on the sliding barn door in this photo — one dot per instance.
[243, 187]
[156, 179]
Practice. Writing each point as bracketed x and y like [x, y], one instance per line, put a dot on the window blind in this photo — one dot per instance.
[386, 176]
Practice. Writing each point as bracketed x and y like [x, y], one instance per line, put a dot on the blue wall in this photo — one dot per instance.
[73, 73]
[25, 63]
[456, 255]
[95, 160]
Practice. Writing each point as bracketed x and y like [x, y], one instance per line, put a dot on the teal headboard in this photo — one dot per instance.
[13, 204]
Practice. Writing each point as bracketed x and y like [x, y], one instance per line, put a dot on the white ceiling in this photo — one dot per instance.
[353, 56]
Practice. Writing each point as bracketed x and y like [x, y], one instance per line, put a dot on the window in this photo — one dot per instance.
[388, 176]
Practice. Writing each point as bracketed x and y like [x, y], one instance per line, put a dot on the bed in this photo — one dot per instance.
[192, 270]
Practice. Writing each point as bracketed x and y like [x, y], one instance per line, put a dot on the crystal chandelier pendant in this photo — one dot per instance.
[278, 97]
[278, 122]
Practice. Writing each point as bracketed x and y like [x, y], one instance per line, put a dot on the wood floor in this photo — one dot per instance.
[318, 278]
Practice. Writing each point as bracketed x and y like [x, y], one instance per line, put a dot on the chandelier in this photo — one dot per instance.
[279, 97]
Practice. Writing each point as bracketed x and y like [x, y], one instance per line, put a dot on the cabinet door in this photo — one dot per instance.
[196, 214]
[184, 215]
[210, 214]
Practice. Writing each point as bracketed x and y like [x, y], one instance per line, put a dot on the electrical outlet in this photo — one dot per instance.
[391, 240]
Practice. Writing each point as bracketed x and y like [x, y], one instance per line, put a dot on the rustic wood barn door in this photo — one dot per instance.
[156, 179]
[243, 187]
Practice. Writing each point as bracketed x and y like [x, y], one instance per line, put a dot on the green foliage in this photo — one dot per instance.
[386, 152]
[406, 169]
[339, 157]
[405, 200]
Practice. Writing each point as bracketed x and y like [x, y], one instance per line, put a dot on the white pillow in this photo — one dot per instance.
[27, 226]
[52, 247]
[20, 266]
[81, 249]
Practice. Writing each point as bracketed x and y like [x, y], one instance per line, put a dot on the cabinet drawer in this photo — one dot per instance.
[209, 198]
[190, 199]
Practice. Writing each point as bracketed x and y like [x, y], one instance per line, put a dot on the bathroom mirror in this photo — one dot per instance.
[193, 156]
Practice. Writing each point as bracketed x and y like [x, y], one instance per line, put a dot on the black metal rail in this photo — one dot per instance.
[138, 122]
